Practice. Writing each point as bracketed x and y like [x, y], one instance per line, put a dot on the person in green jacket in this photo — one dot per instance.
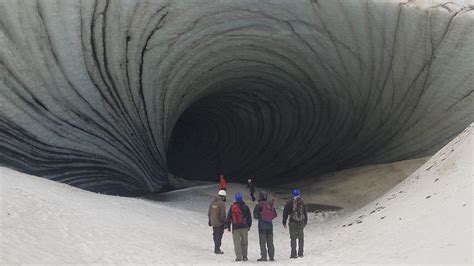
[296, 210]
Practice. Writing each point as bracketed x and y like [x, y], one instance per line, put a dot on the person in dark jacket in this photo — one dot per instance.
[240, 218]
[265, 226]
[251, 187]
[296, 210]
[217, 219]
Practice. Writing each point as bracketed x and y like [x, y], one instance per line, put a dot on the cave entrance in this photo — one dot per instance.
[218, 134]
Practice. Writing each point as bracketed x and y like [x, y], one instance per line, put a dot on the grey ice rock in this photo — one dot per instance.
[114, 96]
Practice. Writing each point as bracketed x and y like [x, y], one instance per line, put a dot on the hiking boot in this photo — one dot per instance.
[219, 252]
[300, 255]
[272, 259]
[245, 258]
[293, 257]
[262, 259]
[238, 259]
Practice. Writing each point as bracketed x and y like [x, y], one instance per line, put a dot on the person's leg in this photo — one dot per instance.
[217, 233]
[220, 233]
[245, 243]
[237, 245]
[263, 243]
[271, 248]
[214, 237]
[300, 239]
[293, 236]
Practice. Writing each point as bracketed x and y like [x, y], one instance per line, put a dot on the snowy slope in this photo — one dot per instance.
[427, 218]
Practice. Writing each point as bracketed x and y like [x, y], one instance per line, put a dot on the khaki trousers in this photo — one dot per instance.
[240, 237]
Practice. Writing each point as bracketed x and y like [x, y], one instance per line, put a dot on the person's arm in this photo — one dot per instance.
[285, 214]
[209, 212]
[228, 220]
[305, 215]
[249, 217]
[223, 216]
[209, 215]
[274, 213]
[256, 211]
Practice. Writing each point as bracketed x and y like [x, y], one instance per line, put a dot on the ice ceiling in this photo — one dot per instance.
[116, 96]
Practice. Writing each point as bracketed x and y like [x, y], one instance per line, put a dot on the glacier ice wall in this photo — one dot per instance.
[114, 96]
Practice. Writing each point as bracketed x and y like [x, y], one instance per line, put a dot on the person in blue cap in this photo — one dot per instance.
[296, 210]
[240, 218]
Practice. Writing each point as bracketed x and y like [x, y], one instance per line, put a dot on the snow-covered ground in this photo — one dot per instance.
[426, 218]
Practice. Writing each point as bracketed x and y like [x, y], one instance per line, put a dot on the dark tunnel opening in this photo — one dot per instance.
[258, 133]
[236, 133]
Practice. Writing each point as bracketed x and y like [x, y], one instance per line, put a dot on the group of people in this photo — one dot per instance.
[250, 186]
[238, 219]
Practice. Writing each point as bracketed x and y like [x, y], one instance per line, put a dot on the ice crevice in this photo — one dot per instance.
[117, 96]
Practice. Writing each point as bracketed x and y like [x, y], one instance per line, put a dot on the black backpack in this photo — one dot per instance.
[298, 211]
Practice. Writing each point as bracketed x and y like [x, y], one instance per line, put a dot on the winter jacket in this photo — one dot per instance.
[216, 212]
[288, 211]
[262, 225]
[246, 217]
[222, 183]
[251, 187]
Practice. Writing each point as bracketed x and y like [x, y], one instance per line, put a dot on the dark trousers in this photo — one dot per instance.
[296, 232]
[266, 240]
[251, 195]
[217, 233]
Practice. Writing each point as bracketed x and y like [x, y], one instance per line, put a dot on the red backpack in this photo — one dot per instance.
[236, 214]
[267, 214]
